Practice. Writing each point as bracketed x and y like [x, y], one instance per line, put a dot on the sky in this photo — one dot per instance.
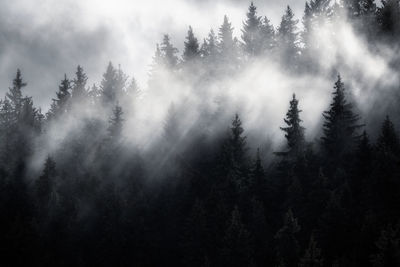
[47, 38]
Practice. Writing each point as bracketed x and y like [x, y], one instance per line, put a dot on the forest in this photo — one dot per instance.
[278, 147]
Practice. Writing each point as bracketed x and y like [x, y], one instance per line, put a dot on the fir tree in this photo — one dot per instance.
[14, 95]
[388, 16]
[268, 40]
[61, 104]
[341, 124]
[251, 33]
[312, 257]
[108, 84]
[191, 51]
[287, 244]
[209, 47]
[78, 90]
[288, 38]
[238, 141]
[388, 141]
[116, 122]
[44, 184]
[225, 35]
[294, 132]
[237, 242]
[168, 53]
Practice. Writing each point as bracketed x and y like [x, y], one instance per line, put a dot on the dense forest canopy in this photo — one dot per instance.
[274, 147]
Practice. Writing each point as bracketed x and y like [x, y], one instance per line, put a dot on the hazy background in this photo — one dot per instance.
[47, 38]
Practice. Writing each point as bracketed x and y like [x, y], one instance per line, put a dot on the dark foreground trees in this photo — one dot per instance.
[207, 195]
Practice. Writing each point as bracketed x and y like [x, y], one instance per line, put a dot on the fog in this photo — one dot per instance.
[48, 38]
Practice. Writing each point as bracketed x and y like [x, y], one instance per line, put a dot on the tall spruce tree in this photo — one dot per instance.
[288, 248]
[294, 132]
[312, 257]
[78, 89]
[288, 38]
[251, 32]
[61, 104]
[268, 39]
[225, 35]
[169, 52]
[209, 49]
[14, 95]
[388, 141]
[341, 125]
[388, 16]
[108, 84]
[191, 51]
[116, 123]
[237, 242]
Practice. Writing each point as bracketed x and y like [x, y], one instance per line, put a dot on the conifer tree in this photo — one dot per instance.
[238, 141]
[312, 256]
[258, 184]
[14, 95]
[268, 40]
[191, 51]
[237, 242]
[288, 38]
[388, 246]
[108, 84]
[209, 48]
[116, 123]
[294, 132]
[287, 244]
[78, 89]
[251, 32]
[168, 53]
[388, 16]
[61, 104]
[44, 184]
[341, 124]
[388, 140]
[225, 35]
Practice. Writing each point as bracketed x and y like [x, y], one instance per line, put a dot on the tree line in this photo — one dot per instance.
[202, 196]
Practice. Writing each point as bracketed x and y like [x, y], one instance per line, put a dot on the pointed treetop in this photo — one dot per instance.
[168, 52]
[191, 46]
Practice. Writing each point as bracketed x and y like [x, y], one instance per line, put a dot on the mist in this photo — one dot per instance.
[203, 131]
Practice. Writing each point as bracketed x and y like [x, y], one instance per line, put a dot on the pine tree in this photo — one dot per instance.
[120, 84]
[168, 53]
[78, 89]
[237, 242]
[388, 16]
[209, 48]
[108, 84]
[238, 141]
[258, 184]
[14, 95]
[288, 38]
[44, 184]
[388, 246]
[116, 123]
[341, 124]
[287, 245]
[268, 40]
[312, 256]
[251, 32]
[133, 88]
[94, 95]
[225, 35]
[388, 141]
[191, 51]
[61, 104]
[294, 132]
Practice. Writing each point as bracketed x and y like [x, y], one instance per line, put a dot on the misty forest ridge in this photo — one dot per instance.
[278, 147]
